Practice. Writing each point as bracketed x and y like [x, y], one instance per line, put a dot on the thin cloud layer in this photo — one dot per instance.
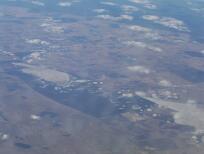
[139, 69]
[39, 3]
[109, 17]
[165, 83]
[109, 3]
[51, 25]
[147, 4]
[185, 113]
[142, 45]
[129, 9]
[37, 42]
[148, 33]
[64, 4]
[167, 21]
[99, 10]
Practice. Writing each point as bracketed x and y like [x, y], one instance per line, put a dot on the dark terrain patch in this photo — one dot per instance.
[83, 100]
[48, 114]
[186, 72]
[23, 145]
[195, 54]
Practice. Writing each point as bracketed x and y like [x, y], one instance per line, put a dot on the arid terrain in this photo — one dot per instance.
[101, 77]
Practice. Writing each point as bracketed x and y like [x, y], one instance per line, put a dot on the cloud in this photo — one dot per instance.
[136, 43]
[157, 49]
[150, 6]
[68, 3]
[129, 95]
[51, 25]
[185, 113]
[38, 3]
[153, 36]
[166, 94]
[142, 45]
[140, 1]
[99, 10]
[34, 117]
[129, 8]
[3, 52]
[33, 56]
[140, 93]
[139, 69]
[165, 83]
[37, 42]
[148, 33]
[109, 3]
[64, 4]
[4, 137]
[139, 28]
[167, 21]
[147, 4]
[198, 8]
[109, 17]
[127, 17]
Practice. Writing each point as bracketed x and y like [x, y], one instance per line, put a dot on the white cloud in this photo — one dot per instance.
[64, 4]
[39, 3]
[139, 69]
[99, 10]
[167, 21]
[33, 56]
[146, 3]
[165, 83]
[109, 17]
[148, 33]
[109, 3]
[129, 95]
[139, 28]
[142, 45]
[150, 6]
[140, 93]
[34, 117]
[136, 43]
[157, 49]
[127, 17]
[185, 113]
[129, 8]
[3, 52]
[51, 25]
[166, 94]
[153, 36]
[4, 136]
[37, 42]
[140, 1]
[151, 17]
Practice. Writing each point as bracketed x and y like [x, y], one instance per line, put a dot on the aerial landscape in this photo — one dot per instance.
[102, 76]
